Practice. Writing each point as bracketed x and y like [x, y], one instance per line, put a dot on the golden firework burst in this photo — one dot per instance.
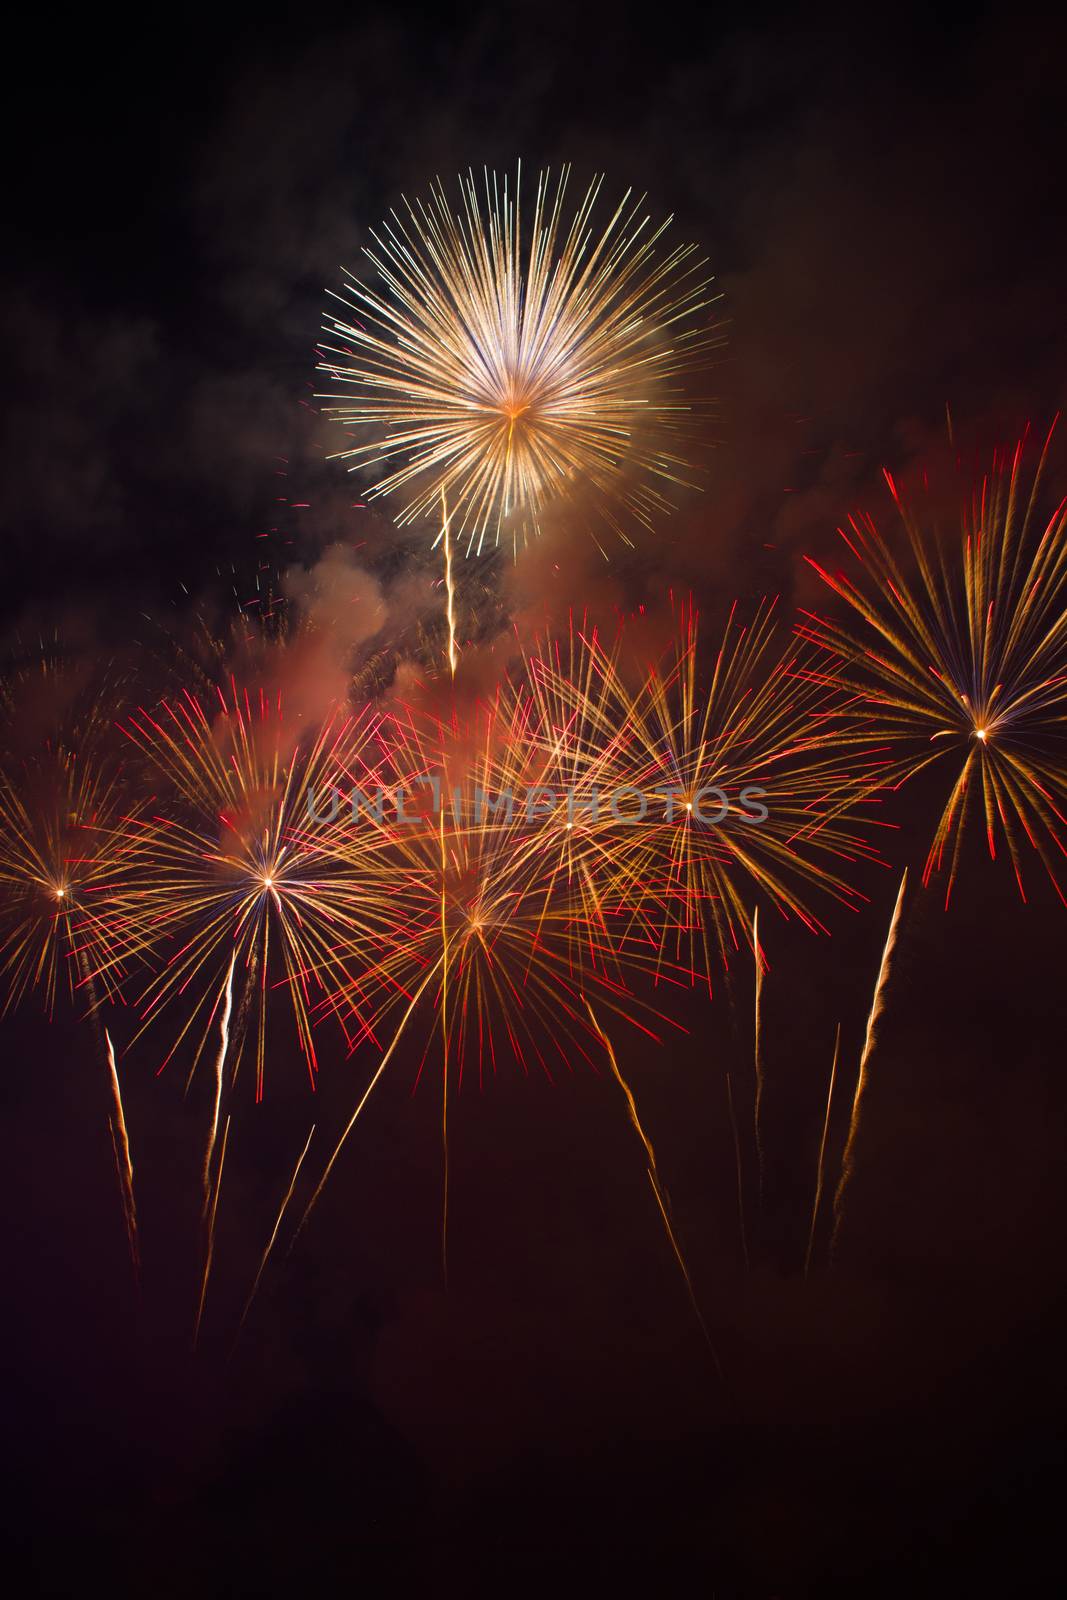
[963, 660]
[505, 370]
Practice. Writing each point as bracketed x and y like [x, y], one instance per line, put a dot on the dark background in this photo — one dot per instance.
[882, 200]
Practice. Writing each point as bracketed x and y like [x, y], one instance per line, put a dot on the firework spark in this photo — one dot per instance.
[821, 1164]
[509, 370]
[964, 662]
[757, 1047]
[123, 1160]
[286, 1198]
[654, 1179]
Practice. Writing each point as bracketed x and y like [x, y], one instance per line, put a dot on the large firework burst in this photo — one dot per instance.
[963, 661]
[64, 848]
[241, 889]
[499, 932]
[501, 370]
[64, 854]
[737, 783]
[498, 914]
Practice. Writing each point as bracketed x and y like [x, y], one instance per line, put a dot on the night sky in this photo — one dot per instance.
[881, 200]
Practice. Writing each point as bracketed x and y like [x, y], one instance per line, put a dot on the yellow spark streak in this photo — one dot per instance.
[848, 1159]
[445, 1052]
[224, 1045]
[653, 1176]
[274, 1234]
[123, 1161]
[757, 1060]
[820, 1170]
[450, 591]
[416, 997]
[209, 1247]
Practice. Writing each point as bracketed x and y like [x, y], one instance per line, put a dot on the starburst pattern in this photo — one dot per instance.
[961, 662]
[503, 372]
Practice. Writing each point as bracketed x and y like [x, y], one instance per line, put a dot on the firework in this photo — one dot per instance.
[488, 887]
[502, 371]
[963, 663]
[501, 932]
[64, 854]
[240, 881]
[738, 777]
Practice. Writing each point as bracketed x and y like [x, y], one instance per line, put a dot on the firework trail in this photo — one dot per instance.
[274, 1235]
[361, 1103]
[821, 1167]
[963, 661]
[513, 368]
[123, 1160]
[757, 1042]
[450, 589]
[653, 1178]
[444, 1049]
[220, 1061]
[877, 1002]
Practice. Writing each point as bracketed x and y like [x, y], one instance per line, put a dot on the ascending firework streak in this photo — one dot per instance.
[821, 1165]
[965, 661]
[220, 1062]
[123, 1161]
[653, 1178]
[848, 1158]
[512, 369]
[450, 589]
[274, 1234]
[757, 1043]
[445, 940]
